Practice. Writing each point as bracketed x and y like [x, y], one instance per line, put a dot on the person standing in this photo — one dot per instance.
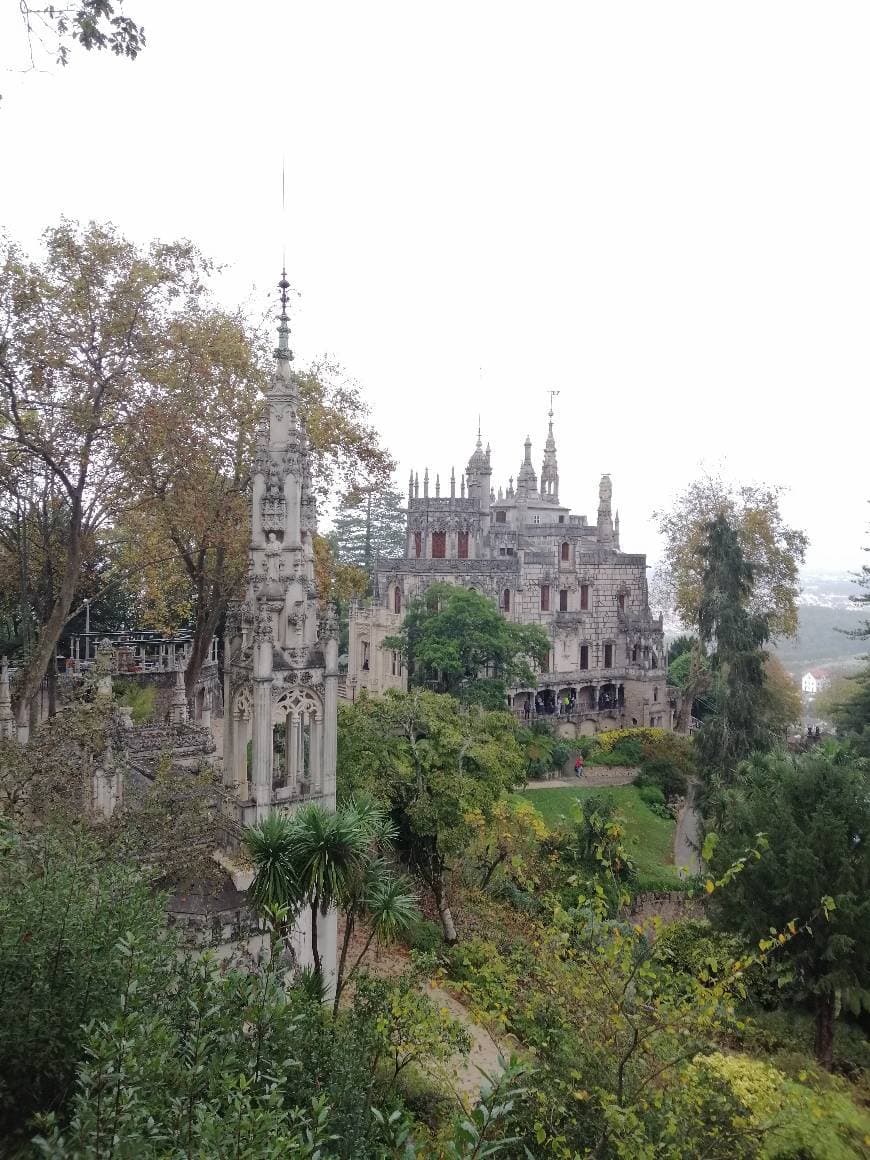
[578, 766]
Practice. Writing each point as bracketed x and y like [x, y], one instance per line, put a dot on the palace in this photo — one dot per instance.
[541, 564]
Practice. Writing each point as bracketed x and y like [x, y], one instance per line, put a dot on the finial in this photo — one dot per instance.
[426, 483]
[553, 395]
[284, 352]
[452, 483]
[417, 485]
[437, 484]
[462, 491]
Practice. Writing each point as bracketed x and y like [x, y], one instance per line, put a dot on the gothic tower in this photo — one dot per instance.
[281, 678]
[550, 468]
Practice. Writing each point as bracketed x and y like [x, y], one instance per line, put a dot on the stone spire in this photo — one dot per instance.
[411, 487]
[426, 483]
[437, 484]
[605, 522]
[527, 481]
[550, 468]
[616, 531]
[8, 732]
[452, 483]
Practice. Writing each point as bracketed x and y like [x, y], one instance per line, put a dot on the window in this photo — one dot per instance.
[654, 661]
[502, 551]
[563, 599]
[510, 551]
[566, 551]
[620, 602]
[561, 519]
[655, 692]
[536, 519]
[439, 545]
[634, 655]
[463, 545]
[506, 600]
[393, 655]
[501, 517]
[418, 544]
[365, 652]
[584, 656]
[545, 598]
[584, 597]
[608, 656]
[397, 603]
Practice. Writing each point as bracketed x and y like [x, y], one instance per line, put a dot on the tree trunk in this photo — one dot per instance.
[46, 645]
[202, 633]
[447, 926]
[315, 949]
[824, 1046]
[52, 687]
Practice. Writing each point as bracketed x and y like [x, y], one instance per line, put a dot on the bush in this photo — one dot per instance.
[141, 699]
[651, 795]
[425, 936]
[664, 775]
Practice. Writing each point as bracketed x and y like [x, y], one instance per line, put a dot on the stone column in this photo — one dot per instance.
[293, 752]
[330, 719]
[261, 753]
[240, 757]
[315, 753]
[229, 718]
[261, 750]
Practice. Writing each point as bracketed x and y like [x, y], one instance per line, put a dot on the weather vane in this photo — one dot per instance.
[553, 395]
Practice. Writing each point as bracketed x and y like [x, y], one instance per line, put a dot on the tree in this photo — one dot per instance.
[188, 459]
[815, 813]
[689, 671]
[735, 636]
[436, 768]
[369, 526]
[96, 25]
[862, 579]
[80, 342]
[781, 704]
[458, 641]
[769, 545]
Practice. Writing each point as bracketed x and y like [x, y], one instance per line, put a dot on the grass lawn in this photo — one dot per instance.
[650, 838]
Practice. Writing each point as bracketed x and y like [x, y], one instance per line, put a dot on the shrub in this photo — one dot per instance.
[665, 775]
[651, 795]
[425, 936]
[141, 700]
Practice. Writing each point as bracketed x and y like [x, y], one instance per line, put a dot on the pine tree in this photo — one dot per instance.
[372, 526]
[734, 637]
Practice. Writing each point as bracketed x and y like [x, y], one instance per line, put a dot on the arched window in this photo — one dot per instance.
[418, 544]
[608, 656]
[439, 545]
[655, 692]
[566, 551]
[463, 545]
[397, 599]
[506, 600]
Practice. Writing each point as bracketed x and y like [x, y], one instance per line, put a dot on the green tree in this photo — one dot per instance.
[368, 524]
[457, 641]
[815, 813]
[772, 549]
[80, 338]
[735, 635]
[436, 767]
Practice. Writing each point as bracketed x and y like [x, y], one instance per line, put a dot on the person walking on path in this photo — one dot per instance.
[578, 766]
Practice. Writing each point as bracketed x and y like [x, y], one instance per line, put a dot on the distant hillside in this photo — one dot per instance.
[819, 644]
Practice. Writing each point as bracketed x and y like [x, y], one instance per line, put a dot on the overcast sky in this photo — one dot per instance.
[662, 210]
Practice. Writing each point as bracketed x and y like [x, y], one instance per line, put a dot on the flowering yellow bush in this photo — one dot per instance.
[607, 741]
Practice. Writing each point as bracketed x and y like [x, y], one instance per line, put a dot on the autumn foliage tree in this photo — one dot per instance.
[81, 338]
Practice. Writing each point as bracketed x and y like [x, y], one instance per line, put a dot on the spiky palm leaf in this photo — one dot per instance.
[276, 882]
[327, 850]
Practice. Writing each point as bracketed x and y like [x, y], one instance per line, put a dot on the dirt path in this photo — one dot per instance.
[464, 1071]
[461, 1072]
[594, 777]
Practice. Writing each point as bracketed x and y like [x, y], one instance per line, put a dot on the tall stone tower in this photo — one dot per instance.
[281, 647]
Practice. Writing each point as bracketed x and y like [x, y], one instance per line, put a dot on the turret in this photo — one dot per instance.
[605, 522]
[550, 468]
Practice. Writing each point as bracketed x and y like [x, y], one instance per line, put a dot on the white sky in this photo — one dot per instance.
[660, 209]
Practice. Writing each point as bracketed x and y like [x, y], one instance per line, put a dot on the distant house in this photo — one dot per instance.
[814, 681]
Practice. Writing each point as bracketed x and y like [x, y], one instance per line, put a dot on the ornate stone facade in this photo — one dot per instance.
[541, 564]
[280, 650]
